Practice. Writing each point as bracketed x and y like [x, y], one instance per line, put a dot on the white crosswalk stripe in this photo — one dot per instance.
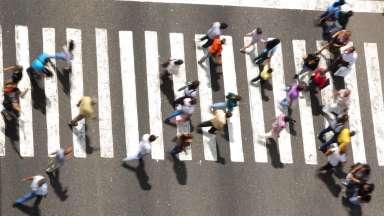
[155, 121]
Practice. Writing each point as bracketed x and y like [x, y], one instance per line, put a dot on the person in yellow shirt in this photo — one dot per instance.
[85, 105]
[264, 75]
[218, 121]
[344, 138]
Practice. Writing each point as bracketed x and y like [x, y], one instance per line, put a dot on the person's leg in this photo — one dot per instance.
[74, 121]
[208, 43]
[323, 132]
[206, 55]
[256, 79]
[204, 37]
[325, 145]
[205, 124]
[219, 105]
[172, 115]
[212, 130]
[25, 198]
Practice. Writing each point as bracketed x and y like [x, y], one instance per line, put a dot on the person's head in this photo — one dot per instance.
[369, 187]
[223, 25]
[71, 45]
[259, 31]
[228, 114]
[366, 198]
[288, 119]
[339, 3]
[193, 101]
[152, 138]
[234, 97]
[222, 41]
[366, 169]
[352, 133]
[68, 150]
[179, 62]
[300, 88]
[349, 13]
[187, 137]
[343, 119]
[270, 70]
[194, 84]
[350, 49]
[41, 182]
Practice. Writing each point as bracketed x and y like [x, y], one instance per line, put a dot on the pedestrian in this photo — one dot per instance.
[11, 101]
[85, 105]
[256, 36]
[345, 61]
[41, 66]
[311, 62]
[214, 51]
[336, 155]
[268, 51]
[338, 40]
[172, 66]
[214, 32]
[362, 194]
[319, 80]
[293, 92]
[182, 142]
[332, 12]
[66, 54]
[187, 107]
[342, 138]
[342, 100]
[218, 121]
[191, 88]
[58, 158]
[358, 174]
[229, 104]
[264, 75]
[278, 124]
[39, 188]
[335, 126]
[17, 73]
[144, 148]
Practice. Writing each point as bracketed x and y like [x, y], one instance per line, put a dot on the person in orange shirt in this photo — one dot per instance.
[214, 51]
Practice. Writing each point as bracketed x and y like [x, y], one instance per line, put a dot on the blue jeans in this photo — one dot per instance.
[26, 197]
[219, 105]
[173, 115]
[325, 145]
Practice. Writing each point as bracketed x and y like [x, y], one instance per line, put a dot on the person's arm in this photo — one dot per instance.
[250, 33]
[78, 103]
[12, 68]
[328, 152]
[53, 153]
[16, 107]
[28, 178]
[24, 92]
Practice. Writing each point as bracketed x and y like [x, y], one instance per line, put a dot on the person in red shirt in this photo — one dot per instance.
[214, 51]
[318, 79]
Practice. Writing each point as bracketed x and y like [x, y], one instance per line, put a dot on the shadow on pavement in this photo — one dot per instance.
[141, 174]
[37, 91]
[54, 180]
[180, 170]
[353, 210]
[31, 210]
[166, 87]
[325, 174]
[274, 153]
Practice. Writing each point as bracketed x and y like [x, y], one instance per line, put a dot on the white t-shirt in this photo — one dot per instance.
[256, 38]
[335, 158]
[214, 31]
[43, 189]
[145, 145]
[172, 67]
[187, 107]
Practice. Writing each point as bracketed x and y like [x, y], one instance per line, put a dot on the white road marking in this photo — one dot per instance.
[230, 85]
[256, 108]
[313, 5]
[278, 83]
[51, 92]
[205, 92]
[25, 119]
[128, 81]
[307, 130]
[104, 102]
[76, 91]
[357, 141]
[376, 97]
[154, 97]
[179, 80]
[2, 124]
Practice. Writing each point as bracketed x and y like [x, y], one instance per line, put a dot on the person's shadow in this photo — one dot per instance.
[37, 91]
[11, 131]
[325, 174]
[141, 174]
[63, 77]
[353, 210]
[54, 180]
[31, 210]
[274, 153]
[180, 170]
[166, 87]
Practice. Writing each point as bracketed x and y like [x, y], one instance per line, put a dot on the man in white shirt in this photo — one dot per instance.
[144, 148]
[213, 32]
[346, 60]
[39, 188]
[256, 37]
[187, 107]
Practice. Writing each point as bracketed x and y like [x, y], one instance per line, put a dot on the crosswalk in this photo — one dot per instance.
[155, 105]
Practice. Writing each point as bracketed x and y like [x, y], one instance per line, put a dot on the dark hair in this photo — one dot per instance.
[228, 114]
[223, 41]
[369, 187]
[343, 118]
[194, 84]
[352, 133]
[152, 138]
[193, 101]
[258, 30]
[300, 88]
[186, 136]
[179, 62]
[289, 119]
[366, 198]
[71, 46]
[41, 182]
[349, 13]
[270, 70]
[223, 25]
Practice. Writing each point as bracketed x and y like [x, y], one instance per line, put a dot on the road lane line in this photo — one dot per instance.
[230, 85]
[376, 97]
[154, 96]
[179, 80]
[51, 92]
[104, 95]
[305, 108]
[312, 5]
[25, 119]
[255, 107]
[2, 123]
[76, 92]
[128, 81]
[278, 83]
[357, 141]
[205, 92]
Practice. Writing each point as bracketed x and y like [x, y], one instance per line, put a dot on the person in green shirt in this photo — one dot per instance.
[229, 104]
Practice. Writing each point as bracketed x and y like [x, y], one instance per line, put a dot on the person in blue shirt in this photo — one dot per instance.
[230, 104]
[333, 11]
[42, 66]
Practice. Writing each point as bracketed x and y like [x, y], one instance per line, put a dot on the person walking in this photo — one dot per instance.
[172, 66]
[214, 51]
[332, 12]
[191, 90]
[85, 105]
[268, 51]
[293, 93]
[41, 66]
[362, 194]
[311, 62]
[345, 61]
[338, 40]
[256, 37]
[39, 188]
[342, 139]
[187, 107]
[335, 125]
[229, 104]
[358, 174]
[341, 102]
[218, 121]
[214, 32]
[11, 101]
[17, 73]
[145, 147]
[264, 75]
[58, 158]
[66, 54]
[182, 142]
[278, 124]
[318, 80]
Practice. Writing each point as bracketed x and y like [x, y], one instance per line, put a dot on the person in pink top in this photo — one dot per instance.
[293, 92]
[279, 124]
